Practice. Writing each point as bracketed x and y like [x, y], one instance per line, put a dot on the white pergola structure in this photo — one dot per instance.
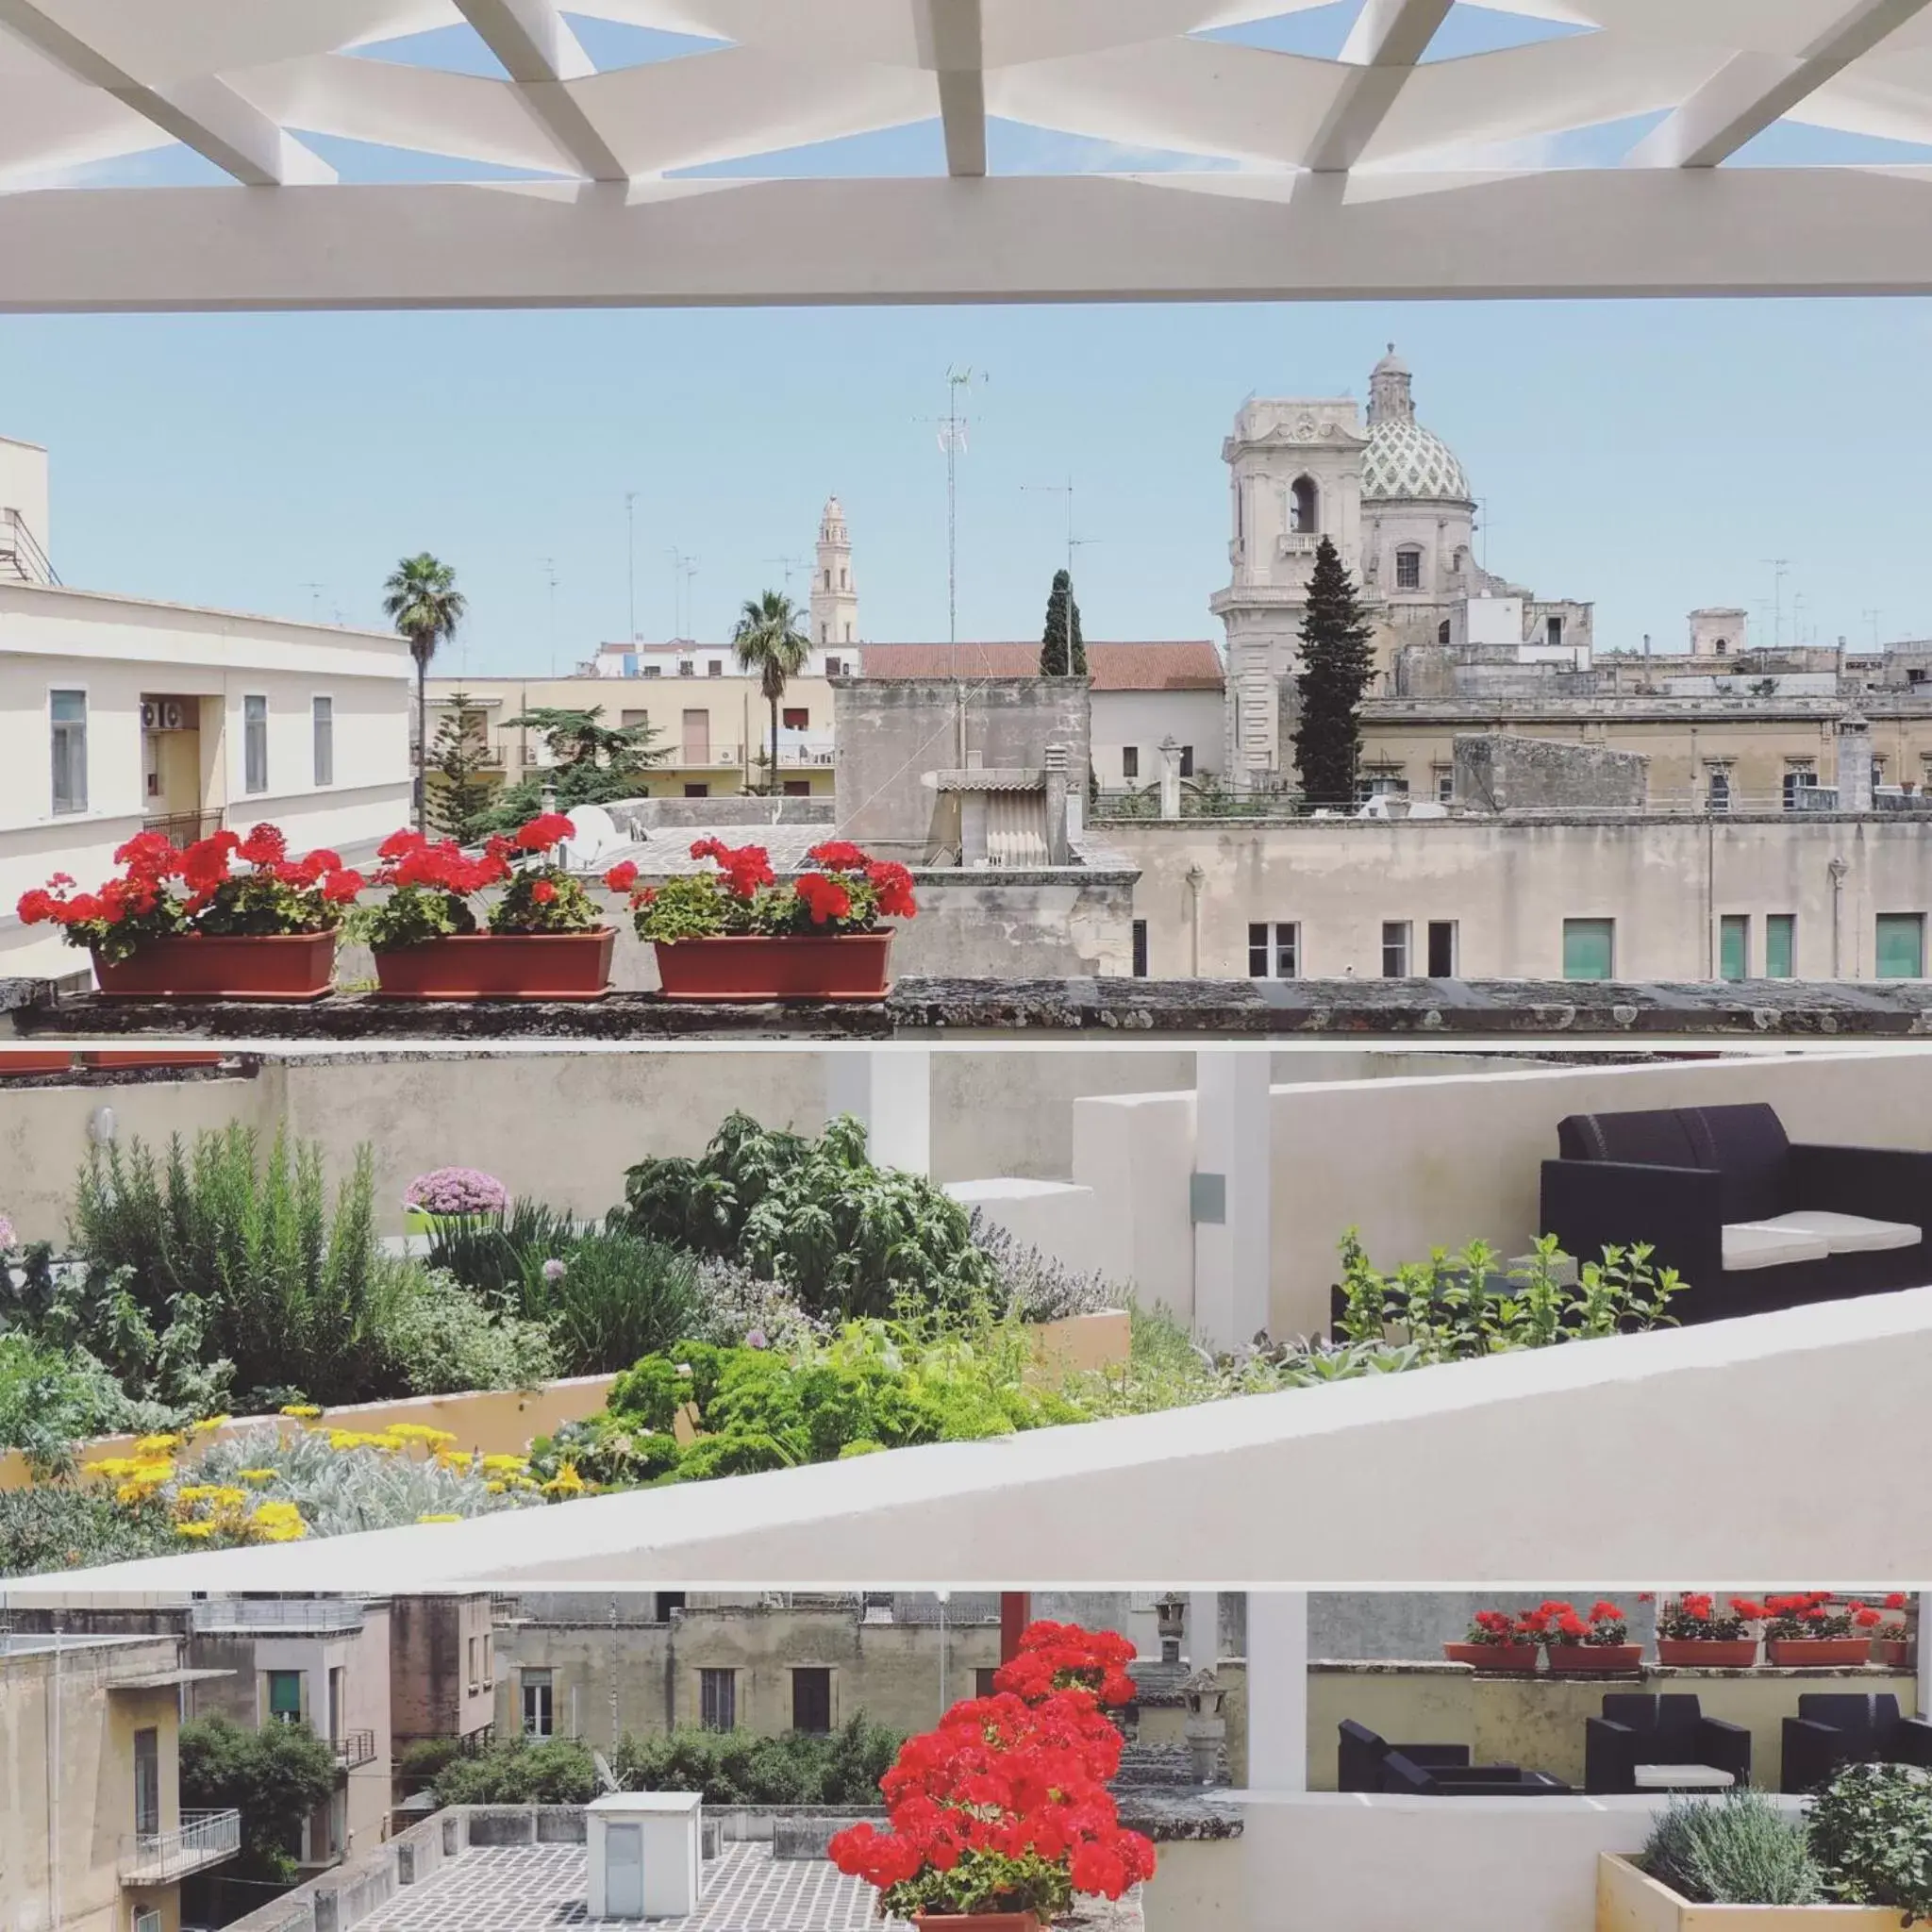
[1273, 176]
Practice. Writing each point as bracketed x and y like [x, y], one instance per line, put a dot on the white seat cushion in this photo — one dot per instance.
[1845, 1234]
[1761, 1244]
[1681, 1777]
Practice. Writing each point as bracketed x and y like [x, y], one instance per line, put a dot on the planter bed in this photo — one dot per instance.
[279, 967]
[1595, 1659]
[1817, 1652]
[853, 967]
[1703, 1654]
[500, 966]
[1628, 1899]
[1501, 1659]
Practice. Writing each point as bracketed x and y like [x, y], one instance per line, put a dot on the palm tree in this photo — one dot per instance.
[420, 598]
[769, 641]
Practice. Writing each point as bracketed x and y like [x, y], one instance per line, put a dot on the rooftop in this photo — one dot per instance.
[1112, 667]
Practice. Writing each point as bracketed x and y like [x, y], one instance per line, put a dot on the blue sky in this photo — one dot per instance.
[1652, 456]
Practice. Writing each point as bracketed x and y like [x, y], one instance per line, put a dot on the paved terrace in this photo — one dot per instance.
[1177, 1010]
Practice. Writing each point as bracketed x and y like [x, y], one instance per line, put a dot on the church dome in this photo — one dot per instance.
[1405, 462]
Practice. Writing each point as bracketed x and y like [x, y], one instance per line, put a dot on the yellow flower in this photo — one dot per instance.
[495, 1489]
[301, 1411]
[194, 1529]
[210, 1423]
[157, 1445]
[257, 1476]
[420, 1432]
[113, 1468]
[501, 1465]
[439, 1518]
[280, 1531]
[360, 1438]
[566, 1482]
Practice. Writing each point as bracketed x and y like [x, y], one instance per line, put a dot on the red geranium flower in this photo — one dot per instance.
[544, 891]
[546, 829]
[840, 855]
[264, 846]
[621, 876]
[825, 898]
[892, 884]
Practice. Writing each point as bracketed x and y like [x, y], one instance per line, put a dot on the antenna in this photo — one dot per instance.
[789, 564]
[630, 548]
[1780, 568]
[952, 439]
[315, 591]
[1871, 618]
[550, 571]
[1065, 489]
[683, 567]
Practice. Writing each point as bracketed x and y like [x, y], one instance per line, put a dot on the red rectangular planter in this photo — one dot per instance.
[1895, 1654]
[1707, 1654]
[1510, 1659]
[974, 1921]
[1814, 1653]
[38, 1060]
[147, 1057]
[500, 966]
[854, 966]
[201, 967]
[1595, 1659]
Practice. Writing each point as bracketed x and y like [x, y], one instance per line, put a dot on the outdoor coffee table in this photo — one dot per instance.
[1682, 1777]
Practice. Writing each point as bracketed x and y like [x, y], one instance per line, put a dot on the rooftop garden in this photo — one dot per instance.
[778, 1300]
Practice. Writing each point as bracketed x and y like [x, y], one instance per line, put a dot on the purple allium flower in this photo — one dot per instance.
[555, 1270]
[7, 1237]
[457, 1190]
[756, 1338]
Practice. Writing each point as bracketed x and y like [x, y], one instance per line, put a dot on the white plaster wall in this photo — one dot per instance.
[1145, 719]
[24, 487]
[1056, 1217]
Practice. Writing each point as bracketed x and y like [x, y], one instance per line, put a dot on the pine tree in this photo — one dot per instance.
[1337, 665]
[1062, 650]
[459, 786]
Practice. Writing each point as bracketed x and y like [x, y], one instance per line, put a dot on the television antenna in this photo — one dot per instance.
[789, 564]
[954, 440]
[315, 591]
[630, 549]
[550, 571]
[683, 567]
[1780, 568]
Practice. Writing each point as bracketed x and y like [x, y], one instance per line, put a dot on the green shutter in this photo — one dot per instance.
[1781, 947]
[1734, 947]
[1901, 945]
[1588, 948]
[285, 1697]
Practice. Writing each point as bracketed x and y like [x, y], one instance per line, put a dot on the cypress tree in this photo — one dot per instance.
[1337, 665]
[460, 785]
[1063, 651]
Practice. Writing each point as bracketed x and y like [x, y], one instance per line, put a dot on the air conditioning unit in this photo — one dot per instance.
[164, 714]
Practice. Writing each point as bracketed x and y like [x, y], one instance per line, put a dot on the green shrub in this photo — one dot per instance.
[58, 1526]
[521, 1771]
[1739, 1851]
[492, 1255]
[1872, 1833]
[611, 1296]
[439, 1338]
[275, 1777]
[53, 1398]
[846, 1238]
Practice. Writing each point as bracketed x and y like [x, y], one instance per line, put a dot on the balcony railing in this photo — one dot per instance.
[161, 1857]
[278, 1614]
[183, 829]
[353, 1748]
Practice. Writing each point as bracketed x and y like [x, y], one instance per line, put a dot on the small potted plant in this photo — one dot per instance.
[1001, 1815]
[1807, 1630]
[182, 924]
[545, 938]
[733, 932]
[1592, 1644]
[452, 1195]
[1894, 1640]
[1495, 1641]
[1693, 1634]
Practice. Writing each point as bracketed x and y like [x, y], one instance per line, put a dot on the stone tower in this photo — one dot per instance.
[834, 590]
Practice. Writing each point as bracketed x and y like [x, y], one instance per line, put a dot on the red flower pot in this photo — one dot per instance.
[1519, 1659]
[500, 966]
[1595, 1659]
[149, 1056]
[1707, 1653]
[40, 1060]
[973, 1921]
[1895, 1653]
[281, 966]
[1814, 1653]
[851, 966]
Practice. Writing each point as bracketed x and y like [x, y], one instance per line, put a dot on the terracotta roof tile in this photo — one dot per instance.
[1189, 666]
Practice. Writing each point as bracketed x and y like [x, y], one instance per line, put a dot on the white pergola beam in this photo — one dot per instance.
[542, 55]
[1389, 37]
[1753, 90]
[952, 42]
[1192, 238]
[204, 113]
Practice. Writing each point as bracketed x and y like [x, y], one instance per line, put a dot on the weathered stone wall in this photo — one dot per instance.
[1501, 772]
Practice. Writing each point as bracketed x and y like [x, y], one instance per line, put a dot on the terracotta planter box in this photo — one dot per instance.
[981, 1922]
[1516, 1659]
[1630, 1900]
[1705, 1654]
[1895, 1653]
[146, 1056]
[854, 966]
[40, 1060]
[1595, 1659]
[500, 966]
[284, 967]
[1814, 1653]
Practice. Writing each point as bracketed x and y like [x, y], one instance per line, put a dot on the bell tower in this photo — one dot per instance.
[834, 590]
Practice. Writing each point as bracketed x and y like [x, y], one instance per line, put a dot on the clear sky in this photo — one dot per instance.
[1652, 457]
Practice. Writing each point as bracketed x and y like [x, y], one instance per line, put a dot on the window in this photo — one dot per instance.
[323, 717]
[1723, 647]
[824, 633]
[1719, 797]
[1552, 633]
[983, 1684]
[255, 744]
[796, 718]
[828, 579]
[844, 579]
[1798, 778]
[1131, 761]
[1274, 952]
[1395, 949]
[67, 720]
[1139, 949]
[1443, 949]
[834, 667]
[1187, 761]
[473, 1650]
[1589, 948]
[812, 1700]
[1781, 945]
[687, 667]
[285, 1697]
[1900, 952]
[1409, 570]
[698, 789]
[797, 788]
[653, 671]
[1733, 946]
[714, 668]
[630, 721]
[538, 1690]
[1442, 632]
[670, 1602]
[718, 1700]
[1304, 508]
[147, 1782]
[1444, 777]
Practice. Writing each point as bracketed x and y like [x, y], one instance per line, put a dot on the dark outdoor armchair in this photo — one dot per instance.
[1639, 1729]
[1751, 1219]
[1835, 1729]
[1365, 1762]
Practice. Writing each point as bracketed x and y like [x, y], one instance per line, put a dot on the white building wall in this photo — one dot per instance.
[24, 487]
[117, 651]
[1143, 719]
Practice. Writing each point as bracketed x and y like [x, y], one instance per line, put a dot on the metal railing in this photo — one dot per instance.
[278, 1614]
[184, 827]
[353, 1748]
[21, 554]
[159, 1858]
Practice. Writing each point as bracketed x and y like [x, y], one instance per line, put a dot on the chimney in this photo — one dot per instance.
[1057, 848]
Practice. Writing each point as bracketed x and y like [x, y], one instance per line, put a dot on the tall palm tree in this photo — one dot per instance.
[423, 602]
[767, 640]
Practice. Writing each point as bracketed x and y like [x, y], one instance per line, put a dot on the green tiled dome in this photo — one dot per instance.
[1406, 463]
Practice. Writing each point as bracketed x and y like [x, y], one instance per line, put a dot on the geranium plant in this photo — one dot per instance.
[431, 883]
[846, 892]
[163, 892]
[1811, 1613]
[1499, 1630]
[1555, 1621]
[1693, 1617]
[1005, 1807]
[1899, 1632]
[542, 895]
